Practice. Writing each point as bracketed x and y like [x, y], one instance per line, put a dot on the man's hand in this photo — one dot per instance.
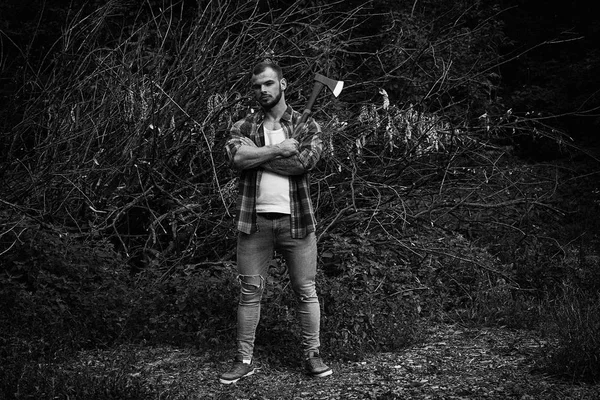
[288, 148]
[250, 156]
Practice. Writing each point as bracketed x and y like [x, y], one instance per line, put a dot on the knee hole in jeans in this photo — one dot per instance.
[306, 293]
[252, 287]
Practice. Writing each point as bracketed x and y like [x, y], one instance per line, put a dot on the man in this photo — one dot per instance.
[274, 212]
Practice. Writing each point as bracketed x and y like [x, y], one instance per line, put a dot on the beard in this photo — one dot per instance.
[267, 102]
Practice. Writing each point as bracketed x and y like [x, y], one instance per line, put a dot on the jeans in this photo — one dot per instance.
[254, 252]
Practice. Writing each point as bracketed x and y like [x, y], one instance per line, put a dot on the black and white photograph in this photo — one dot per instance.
[299, 200]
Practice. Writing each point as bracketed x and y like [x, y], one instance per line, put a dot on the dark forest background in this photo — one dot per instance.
[459, 181]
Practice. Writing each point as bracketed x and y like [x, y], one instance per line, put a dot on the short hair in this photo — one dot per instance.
[262, 66]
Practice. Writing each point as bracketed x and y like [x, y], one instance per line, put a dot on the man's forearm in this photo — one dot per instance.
[285, 166]
[248, 157]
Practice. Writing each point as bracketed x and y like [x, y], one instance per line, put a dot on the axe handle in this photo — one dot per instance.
[311, 100]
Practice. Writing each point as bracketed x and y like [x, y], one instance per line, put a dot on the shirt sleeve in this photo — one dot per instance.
[310, 149]
[311, 145]
[236, 140]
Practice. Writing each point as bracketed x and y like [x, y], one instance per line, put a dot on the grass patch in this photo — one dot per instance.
[574, 322]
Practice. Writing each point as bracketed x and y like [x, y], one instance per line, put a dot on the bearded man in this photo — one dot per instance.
[274, 212]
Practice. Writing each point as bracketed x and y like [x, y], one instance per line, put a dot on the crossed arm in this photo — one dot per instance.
[293, 156]
[281, 158]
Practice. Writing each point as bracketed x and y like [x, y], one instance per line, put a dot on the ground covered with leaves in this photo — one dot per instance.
[452, 362]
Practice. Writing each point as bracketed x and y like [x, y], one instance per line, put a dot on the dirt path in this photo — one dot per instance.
[453, 363]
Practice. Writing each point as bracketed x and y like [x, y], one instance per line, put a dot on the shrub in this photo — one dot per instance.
[61, 290]
[191, 305]
[123, 133]
[60, 293]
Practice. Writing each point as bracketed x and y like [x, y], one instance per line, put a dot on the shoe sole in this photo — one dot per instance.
[230, 381]
[322, 374]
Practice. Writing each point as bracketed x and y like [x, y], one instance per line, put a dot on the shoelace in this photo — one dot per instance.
[315, 363]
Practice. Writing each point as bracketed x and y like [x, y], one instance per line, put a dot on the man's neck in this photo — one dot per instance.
[274, 114]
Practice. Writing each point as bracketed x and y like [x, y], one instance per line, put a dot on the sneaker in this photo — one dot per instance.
[315, 366]
[237, 371]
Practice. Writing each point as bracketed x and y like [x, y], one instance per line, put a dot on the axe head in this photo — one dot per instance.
[333, 85]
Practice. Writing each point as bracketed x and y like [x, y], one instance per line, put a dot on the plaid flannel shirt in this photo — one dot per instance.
[249, 131]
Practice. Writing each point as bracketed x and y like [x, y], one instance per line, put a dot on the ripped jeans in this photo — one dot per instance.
[254, 252]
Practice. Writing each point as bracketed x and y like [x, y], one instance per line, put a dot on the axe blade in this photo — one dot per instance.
[338, 88]
[320, 81]
[333, 85]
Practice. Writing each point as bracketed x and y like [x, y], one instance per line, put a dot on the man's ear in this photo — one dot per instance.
[283, 83]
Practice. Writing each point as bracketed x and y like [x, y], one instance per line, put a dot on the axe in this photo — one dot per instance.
[320, 81]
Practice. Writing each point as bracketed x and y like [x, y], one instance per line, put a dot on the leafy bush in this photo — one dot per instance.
[62, 291]
[189, 306]
[369, 298]
[124, 136]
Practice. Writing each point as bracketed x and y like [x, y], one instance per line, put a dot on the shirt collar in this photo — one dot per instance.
[287, 115]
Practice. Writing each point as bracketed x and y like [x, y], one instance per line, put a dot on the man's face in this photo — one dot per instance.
[268, 88]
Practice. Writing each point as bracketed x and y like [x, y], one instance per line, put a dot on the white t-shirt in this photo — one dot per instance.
[273, 189]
